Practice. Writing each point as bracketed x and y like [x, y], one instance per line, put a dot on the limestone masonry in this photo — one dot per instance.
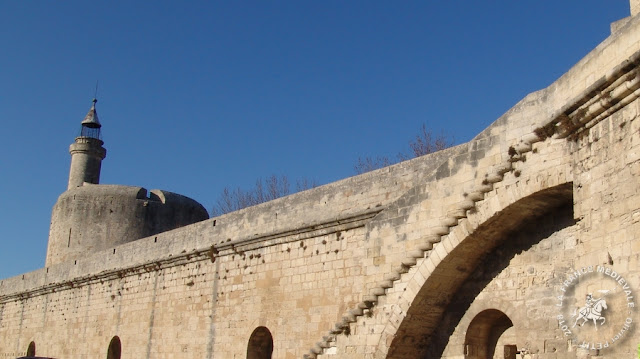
[522, 243]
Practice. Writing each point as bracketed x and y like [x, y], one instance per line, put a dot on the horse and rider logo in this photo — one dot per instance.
[610, 310]
[591, 311]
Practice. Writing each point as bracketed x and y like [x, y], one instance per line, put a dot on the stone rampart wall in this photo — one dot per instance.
[303, 263]
[601, 166]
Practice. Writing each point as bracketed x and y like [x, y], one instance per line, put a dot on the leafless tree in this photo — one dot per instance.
[305, 184]
[369, 164]
[264, 190]
[275, 186]
[424, 143]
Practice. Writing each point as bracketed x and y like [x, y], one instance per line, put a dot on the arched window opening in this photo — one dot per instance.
[260, 344]
[486, 331]
[31, 350]
[115, 348]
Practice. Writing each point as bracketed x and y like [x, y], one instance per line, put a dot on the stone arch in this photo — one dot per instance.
[483, 333]
[429, 290]
[475, 310]
[498, 304]
[115, 348]
[260, 344]
[31, 349]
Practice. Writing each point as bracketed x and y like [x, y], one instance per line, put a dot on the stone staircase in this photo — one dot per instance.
[493, 176]
[608, 94]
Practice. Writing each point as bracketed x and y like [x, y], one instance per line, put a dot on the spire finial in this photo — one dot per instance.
[91, 125]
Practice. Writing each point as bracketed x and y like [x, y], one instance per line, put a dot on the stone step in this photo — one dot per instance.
[494, 178]
[452, 220]
[468, 204]
[449, 221]
[409, 262]
[523, 147]
[441, 230]
[476, 196]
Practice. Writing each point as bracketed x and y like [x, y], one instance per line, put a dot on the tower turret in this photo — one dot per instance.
[90, 217]
[87, 152]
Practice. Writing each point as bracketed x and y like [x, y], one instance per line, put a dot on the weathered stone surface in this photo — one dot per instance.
[335, 271]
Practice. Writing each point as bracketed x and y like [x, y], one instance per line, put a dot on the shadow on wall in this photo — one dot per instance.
[493, 263]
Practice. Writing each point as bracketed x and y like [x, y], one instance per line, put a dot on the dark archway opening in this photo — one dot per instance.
[115, 348]
[483, 334]
[31, 350]
[260, 344]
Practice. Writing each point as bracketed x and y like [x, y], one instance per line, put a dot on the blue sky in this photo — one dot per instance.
[198, 96]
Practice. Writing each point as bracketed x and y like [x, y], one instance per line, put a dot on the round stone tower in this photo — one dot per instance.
[87, 152]
[91, 217]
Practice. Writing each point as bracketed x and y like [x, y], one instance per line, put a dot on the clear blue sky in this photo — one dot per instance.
[197, 96]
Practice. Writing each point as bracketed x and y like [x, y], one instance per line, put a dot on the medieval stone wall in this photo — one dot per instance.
[419, 295]
[396, 263]
[528, 271]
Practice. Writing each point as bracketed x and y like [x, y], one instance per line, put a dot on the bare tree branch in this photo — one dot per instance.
[369, 164]
[263, 191]
[424, 143]
[274, 186]
[305, 184]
